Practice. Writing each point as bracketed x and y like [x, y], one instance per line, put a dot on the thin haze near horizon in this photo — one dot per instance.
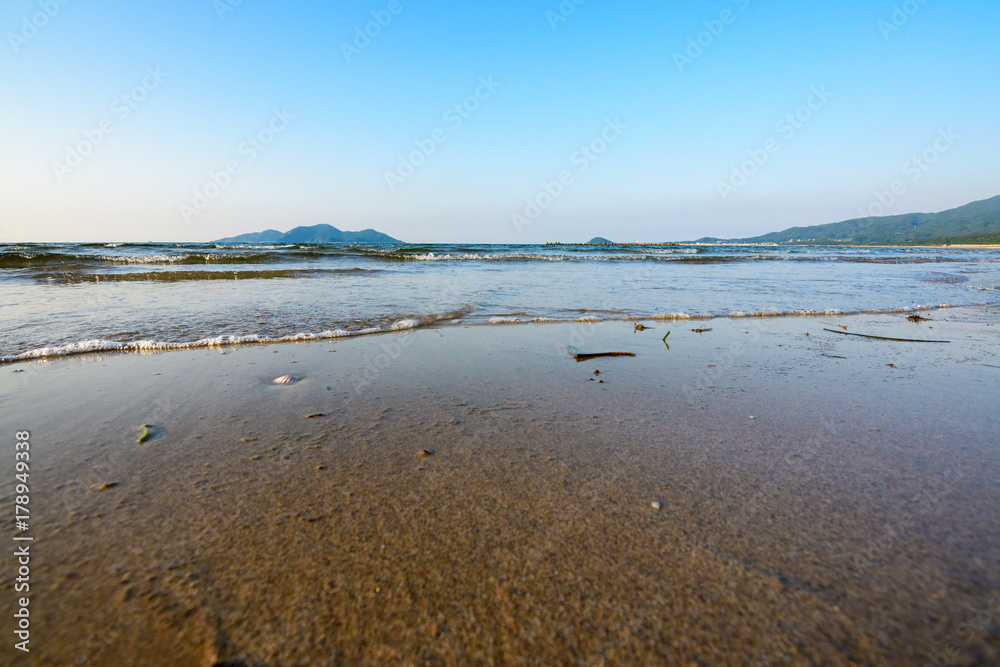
[518, 122]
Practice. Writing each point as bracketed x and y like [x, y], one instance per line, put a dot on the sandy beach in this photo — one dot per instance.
[339, 334]
[747, 494]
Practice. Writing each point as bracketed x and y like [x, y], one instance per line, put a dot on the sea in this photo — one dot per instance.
[68, 298]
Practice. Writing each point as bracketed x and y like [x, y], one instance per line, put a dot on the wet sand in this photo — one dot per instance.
[816, 505]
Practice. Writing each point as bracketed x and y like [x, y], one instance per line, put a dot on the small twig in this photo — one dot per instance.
[902, 340]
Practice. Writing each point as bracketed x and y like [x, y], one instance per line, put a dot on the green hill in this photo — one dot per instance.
[975, 223]
[266, 236]
[313, 234]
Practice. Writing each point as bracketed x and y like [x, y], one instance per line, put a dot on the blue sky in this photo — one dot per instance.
[197, 119]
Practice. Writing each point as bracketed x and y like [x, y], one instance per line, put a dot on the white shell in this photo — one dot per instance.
[286, 379]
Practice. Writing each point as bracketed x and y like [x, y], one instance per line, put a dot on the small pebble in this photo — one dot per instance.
[752, 417]
[315, 415]
[426, 452]
[320, 467]
[108, 485]
[656, 504]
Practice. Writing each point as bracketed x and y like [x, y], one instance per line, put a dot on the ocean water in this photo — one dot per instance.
[58, 299]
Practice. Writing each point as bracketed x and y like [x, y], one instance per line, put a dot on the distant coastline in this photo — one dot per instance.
[965, 246]
[973, 225]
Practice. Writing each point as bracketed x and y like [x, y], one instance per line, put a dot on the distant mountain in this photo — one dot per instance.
[314, 234]
[975, 223]
[267, 236]
[599, 240]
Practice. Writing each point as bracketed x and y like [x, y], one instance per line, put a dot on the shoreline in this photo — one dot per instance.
[226, 342]
[815, 503]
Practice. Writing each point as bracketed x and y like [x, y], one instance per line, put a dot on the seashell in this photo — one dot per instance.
[287, 379]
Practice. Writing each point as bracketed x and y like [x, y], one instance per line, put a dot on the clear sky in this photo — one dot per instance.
[191, 120]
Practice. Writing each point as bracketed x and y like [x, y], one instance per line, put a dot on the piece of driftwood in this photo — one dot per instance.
[583, 356]
[902, 340]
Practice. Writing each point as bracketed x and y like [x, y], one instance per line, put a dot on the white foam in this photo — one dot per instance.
[676, 251]
[404, 324]
[100, 345]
